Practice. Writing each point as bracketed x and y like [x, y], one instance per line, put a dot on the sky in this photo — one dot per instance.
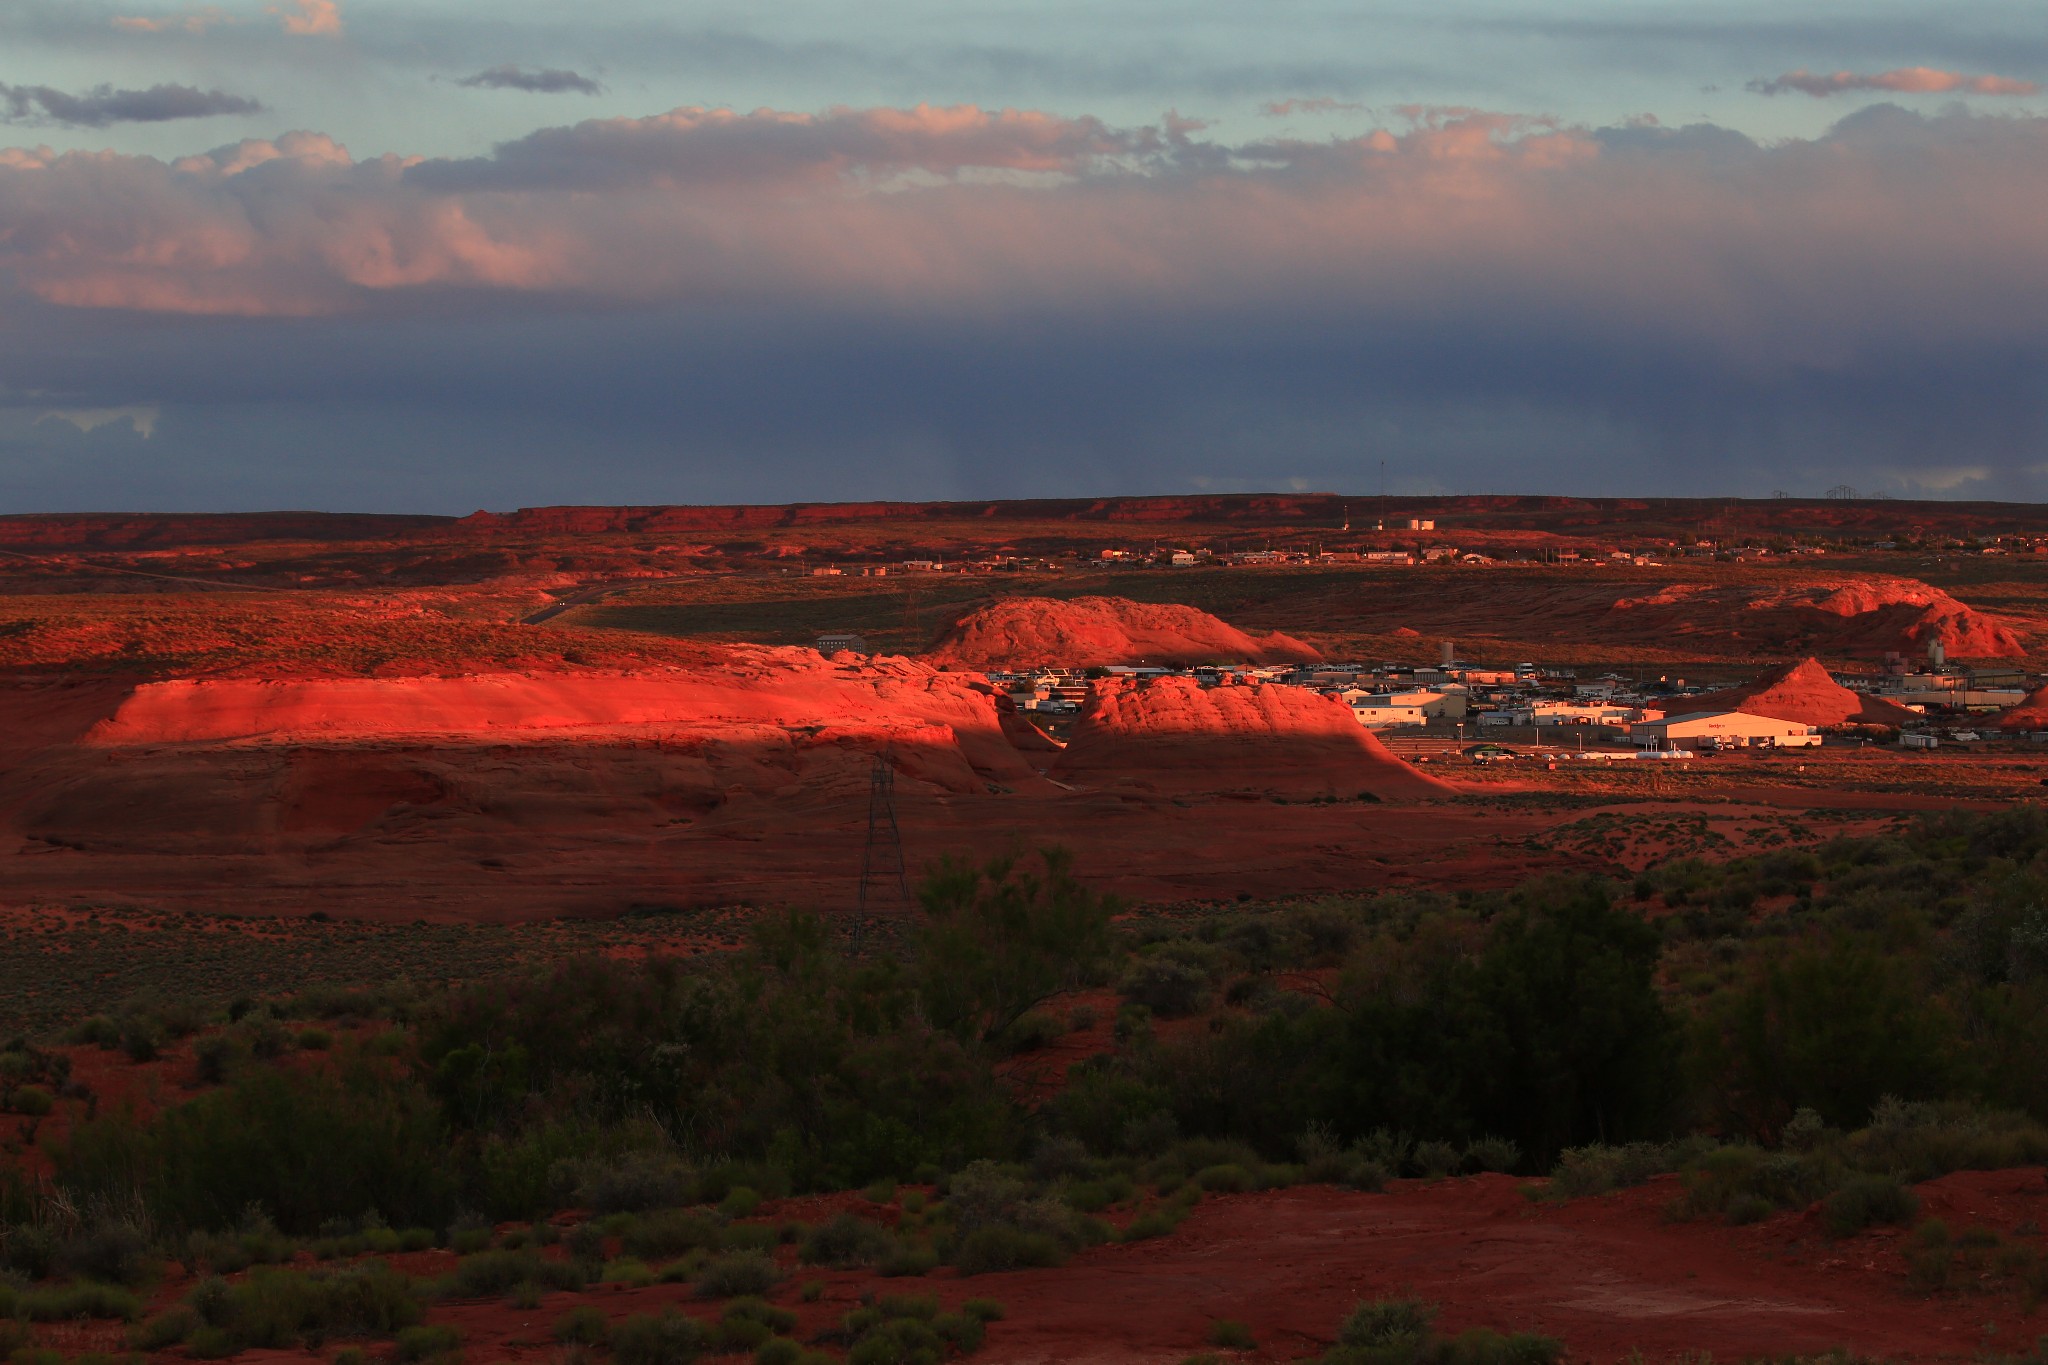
[443, 255]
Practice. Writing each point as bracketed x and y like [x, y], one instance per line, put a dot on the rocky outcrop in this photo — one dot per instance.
[1804, 692]
[1170, 735]
[1086, 632]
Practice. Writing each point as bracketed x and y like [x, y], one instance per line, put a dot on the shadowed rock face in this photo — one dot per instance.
[1088, 632]
[1804, 692]
[1169, 735]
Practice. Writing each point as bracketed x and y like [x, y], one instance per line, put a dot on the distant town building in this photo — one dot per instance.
[1723, 730]
[841, 642]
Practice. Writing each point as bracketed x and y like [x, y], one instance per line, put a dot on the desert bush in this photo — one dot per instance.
[84, 1299]
[1866, 1201]
[275, 1309]
[671, 1232]
[634, 1182]
[1583, 1171]
[1002, 938]
[737, 1273]
[305, 1146]
[1492, 1154]
[583, 1325]
[167, 1329]
[428, 1341]
[666, 1338]
[488, 1274]
[998, 1247]
[1435, 1160]
[1231, 1335]
[1167, 986]
[1402, 1332]
[30, 1100]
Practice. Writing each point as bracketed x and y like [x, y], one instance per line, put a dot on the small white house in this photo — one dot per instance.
[1723, 730]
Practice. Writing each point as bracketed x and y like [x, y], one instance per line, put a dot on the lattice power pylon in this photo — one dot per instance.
[882, 873]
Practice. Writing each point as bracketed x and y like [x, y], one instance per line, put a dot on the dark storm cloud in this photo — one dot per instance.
[104, 106]
[541, 81]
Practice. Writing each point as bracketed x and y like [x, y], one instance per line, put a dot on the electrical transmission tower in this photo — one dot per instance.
[882, 874]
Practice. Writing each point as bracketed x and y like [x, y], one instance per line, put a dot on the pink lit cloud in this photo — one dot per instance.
[312, 19]
[1909, 80]
[196, 21]
[1765, 254]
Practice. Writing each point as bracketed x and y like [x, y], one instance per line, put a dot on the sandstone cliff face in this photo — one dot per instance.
[1804, 692]
[1087, 632]
[1169, 735]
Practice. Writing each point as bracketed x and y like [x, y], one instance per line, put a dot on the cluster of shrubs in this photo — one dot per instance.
[1775, 1002]
[1404, 1332]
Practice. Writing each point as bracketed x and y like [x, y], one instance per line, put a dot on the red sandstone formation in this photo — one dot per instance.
[1866, 615]
[2030, 714]
[1804, 692]
[1086, 632]
[1172, 735]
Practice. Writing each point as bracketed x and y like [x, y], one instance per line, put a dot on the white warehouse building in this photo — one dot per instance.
[1723, 730]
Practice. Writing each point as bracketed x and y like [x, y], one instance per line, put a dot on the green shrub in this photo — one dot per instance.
[844, 1241]
[910, 1258]
[671, 1232]
[1435, 1160]
[1231, 1335]
[314, 1040]
[66, 1303]
[986, 1310]
[427, 1341]
[31, 1100]
[778, 1351]
[738, 1272]
[1868, 1201]
[666, 1338]
[110, 1251]
[1388, 1323]
[1492, 1154]
[1230, 1179]
[168, 1328]
[275, 1308]
[489, 1274]
[583, 1325]
[739, 1202]
[1000, 1247]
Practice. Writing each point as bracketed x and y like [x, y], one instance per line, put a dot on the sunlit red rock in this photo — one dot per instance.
[1085, 632]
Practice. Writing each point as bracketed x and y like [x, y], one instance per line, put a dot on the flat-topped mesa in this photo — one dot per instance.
[1172, 736]
[1804, 692]
[1089, 632]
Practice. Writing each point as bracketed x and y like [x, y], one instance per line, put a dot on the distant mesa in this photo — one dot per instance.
[1170, 735]
[1807, 693]
[1090, 632]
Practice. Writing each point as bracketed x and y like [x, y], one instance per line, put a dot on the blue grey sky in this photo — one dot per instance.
[439, 256]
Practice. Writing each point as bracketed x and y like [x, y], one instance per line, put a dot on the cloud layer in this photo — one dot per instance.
[105, 106]
[955, 300]
[1908, 80]
[541, 81]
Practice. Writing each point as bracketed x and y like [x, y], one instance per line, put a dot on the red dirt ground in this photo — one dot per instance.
[1611, 1277]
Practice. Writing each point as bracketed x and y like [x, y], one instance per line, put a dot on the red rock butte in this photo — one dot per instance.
[1804, 692]
[1170, 735]
[1089, 632]
[2030, 714]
